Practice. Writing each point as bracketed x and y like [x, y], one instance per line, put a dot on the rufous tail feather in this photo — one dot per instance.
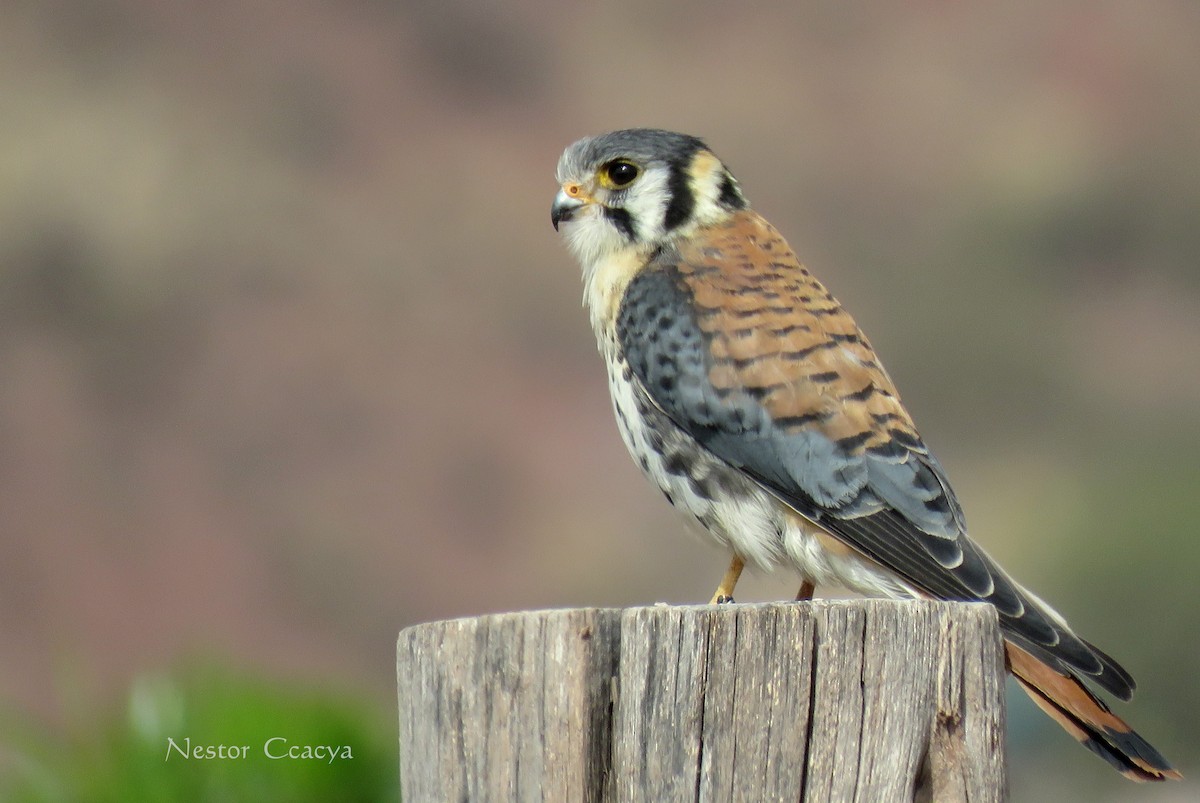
[1085, 717]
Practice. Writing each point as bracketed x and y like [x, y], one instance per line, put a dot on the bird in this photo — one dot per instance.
[753, 401]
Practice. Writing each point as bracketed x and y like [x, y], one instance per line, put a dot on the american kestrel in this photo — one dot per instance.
[754, 402]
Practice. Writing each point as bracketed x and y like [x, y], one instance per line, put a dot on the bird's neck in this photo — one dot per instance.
[604, 281]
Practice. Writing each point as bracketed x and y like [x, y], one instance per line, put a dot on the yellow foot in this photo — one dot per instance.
[724, 592]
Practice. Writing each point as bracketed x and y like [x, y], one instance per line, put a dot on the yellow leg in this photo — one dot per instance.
[724, 591]
[806, 591]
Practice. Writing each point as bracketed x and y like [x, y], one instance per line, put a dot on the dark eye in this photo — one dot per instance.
[619, 174]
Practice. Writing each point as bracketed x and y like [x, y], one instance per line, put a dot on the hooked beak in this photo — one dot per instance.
[564, 207]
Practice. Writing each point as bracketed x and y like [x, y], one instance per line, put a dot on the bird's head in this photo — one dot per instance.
[636, 190]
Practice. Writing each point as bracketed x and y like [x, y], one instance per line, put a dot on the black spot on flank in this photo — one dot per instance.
[644, 462]
[667, 495]
[621, 416]
[679, 208]
[729, 197]
[677, 464]
[700, 488]
[824, 376]
[622, 220]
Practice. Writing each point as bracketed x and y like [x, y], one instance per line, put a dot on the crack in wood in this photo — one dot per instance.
[685, 703]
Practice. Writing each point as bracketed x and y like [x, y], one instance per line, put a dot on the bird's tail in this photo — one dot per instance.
[1088, 719]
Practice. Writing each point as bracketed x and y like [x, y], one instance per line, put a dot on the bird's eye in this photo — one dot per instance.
[619, 174]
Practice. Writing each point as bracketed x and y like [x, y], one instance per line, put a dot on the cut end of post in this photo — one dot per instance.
[798, 701]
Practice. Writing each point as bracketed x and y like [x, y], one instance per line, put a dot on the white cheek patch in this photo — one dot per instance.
[646, 202]
[591, 236]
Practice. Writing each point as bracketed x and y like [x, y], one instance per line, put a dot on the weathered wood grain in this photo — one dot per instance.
[863, 700]
[507, 707]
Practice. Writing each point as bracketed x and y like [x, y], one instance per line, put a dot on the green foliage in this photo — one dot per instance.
[123, 755]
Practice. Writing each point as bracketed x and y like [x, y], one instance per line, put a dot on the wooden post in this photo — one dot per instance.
[857, 700]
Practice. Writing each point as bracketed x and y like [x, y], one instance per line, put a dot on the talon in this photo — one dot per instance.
[724, 591]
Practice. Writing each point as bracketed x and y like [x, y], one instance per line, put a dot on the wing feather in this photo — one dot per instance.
[740, 346]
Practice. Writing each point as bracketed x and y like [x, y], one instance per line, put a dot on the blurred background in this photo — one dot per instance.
[291, 358]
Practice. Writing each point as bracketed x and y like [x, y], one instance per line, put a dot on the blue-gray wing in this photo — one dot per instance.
[748, 353]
